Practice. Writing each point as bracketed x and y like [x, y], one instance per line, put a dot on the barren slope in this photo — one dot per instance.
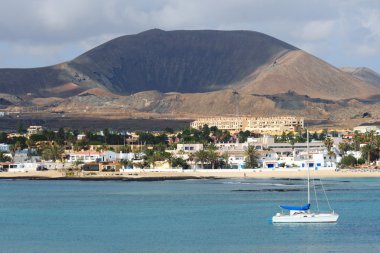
[189, 62]
[305, 74]
[365, 74]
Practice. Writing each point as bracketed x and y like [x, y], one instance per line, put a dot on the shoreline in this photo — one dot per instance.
[186, 175]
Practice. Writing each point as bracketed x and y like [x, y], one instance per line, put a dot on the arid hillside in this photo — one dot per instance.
[188, 74]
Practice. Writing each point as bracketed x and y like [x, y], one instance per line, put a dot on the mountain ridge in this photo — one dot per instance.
[191, 73]
[365, 74]
[187, 61]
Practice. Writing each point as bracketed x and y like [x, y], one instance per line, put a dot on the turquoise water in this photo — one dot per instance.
[182, 216]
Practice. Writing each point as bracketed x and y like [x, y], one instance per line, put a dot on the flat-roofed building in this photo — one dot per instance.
[222, 123]
[4, 147]
[189, 147]
[365, 129]
[35, 129]
[253, 124]
[274, 124]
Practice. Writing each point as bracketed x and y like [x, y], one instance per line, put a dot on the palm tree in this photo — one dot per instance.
[225, 157]
[370, 136]
[357, 140]
[212, 157]
[377, 145]
[191, 158]
[344, 147]
[126, 163]
[367, 151]
[30, 143]
[331, 154]
[251, 160]
[14, 148]
[53, 152]
[179, 162]
[201, 156]
[328, 143]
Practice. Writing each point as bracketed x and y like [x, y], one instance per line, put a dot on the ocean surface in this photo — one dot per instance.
[183, 216]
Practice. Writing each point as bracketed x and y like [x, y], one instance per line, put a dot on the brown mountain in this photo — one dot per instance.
[305, 74]
[193, 73]
[188, 62]
[365, 74]
[181, 61]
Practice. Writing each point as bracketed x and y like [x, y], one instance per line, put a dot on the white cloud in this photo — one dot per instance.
[366, 50]
[370, 19]
[317, 30]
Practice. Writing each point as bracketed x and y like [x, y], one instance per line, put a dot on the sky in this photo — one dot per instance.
[35, 33]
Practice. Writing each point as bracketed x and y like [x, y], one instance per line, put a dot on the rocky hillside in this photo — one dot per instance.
[187, 74]
[189, 62]
[364, 74]
[179, 61]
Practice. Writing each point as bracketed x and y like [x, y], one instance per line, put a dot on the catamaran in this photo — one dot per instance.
[303, 214]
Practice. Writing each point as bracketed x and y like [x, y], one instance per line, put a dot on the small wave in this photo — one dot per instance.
[231, 182]
[272, 184]
[267, 190]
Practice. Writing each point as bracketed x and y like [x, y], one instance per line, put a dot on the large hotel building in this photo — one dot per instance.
[253, 124]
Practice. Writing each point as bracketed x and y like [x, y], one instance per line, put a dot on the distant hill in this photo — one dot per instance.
[187, 74]
[180, 61]
[188, 62]
[365, 74]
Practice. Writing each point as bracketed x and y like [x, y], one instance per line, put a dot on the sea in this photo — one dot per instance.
[221, 215]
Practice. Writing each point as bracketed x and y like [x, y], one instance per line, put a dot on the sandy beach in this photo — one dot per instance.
[190, 174]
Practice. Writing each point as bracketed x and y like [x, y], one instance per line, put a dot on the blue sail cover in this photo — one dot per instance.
[297, 208]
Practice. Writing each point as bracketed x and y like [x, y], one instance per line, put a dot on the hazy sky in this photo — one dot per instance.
[36, 33]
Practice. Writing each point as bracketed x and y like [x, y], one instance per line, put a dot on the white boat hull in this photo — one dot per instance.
[306, 218]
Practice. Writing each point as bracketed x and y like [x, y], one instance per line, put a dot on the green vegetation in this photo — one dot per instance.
[51, 145]
[369, 152]
[179, 162]
[201, 156]
[344, 147]
[328, 143]
[210, 135]
[348, 161]
[4, 158]
[299, 136]
[251, 157]
[52, 152]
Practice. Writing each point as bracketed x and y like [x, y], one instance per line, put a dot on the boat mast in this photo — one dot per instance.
[308, 167]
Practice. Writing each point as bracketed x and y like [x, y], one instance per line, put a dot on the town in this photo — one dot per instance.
[277, 143]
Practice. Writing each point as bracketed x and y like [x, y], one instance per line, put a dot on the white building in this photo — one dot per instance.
[81, 137]
[364, 129]
[90, 156]
[356, 154]
[269, 160]
[4, 147]
[253, 124]
[189, 147]
[34, 129]
[267, 142]
[126, 156]
[18, 167]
